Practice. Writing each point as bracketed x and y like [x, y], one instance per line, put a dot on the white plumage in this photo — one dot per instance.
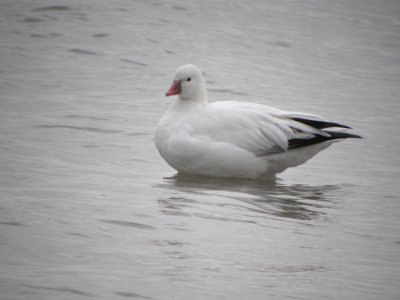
[235, 139]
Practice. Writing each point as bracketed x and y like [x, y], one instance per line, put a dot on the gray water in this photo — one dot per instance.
[88, 209]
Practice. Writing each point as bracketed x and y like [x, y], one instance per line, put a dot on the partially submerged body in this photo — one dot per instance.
[236, 139]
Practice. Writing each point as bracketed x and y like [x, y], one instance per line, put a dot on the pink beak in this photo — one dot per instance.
[175, 89]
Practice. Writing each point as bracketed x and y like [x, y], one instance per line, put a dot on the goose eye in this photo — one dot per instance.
[188, 79]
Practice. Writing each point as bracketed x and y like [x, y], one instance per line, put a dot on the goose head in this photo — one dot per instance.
[189, 84]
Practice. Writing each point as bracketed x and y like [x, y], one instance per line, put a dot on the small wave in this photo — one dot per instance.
[138, 63]
[229, 91]
[52, 8]
[129, 224]
[38, 35]
[100, 35]
[11, 224]
[32, 20]
[177, 7]
[82, 51]
[60, 289]
[136, 134]
[132, 295]
[55, 34]
[72, 116]
[84, 128]
[77, 234]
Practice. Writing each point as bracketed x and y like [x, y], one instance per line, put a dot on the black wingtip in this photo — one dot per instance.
[334, 135]
[320, 124]
[343, 135]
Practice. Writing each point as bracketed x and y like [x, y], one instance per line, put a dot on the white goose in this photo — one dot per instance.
[236, 139]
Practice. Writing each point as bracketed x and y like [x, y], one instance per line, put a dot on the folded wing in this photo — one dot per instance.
[263, 130]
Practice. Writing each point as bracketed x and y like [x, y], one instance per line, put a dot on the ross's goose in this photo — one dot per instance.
[236, 139]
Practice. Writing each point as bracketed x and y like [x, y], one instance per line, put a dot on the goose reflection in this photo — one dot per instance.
[251, 200]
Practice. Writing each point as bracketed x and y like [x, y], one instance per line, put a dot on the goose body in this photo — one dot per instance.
[236, 139]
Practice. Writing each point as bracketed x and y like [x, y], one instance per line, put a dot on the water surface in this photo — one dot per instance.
[88, 209]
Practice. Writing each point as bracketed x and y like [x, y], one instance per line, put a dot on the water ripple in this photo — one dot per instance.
[61, 289]
[32, 20]
[229, 91]
[84, 128]
[72, 116]
[100, 35]
[52, 8]
[129, 224]
[82, 51]
[137, 63]
[261, 199]
[12, 223]
[132, 295]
